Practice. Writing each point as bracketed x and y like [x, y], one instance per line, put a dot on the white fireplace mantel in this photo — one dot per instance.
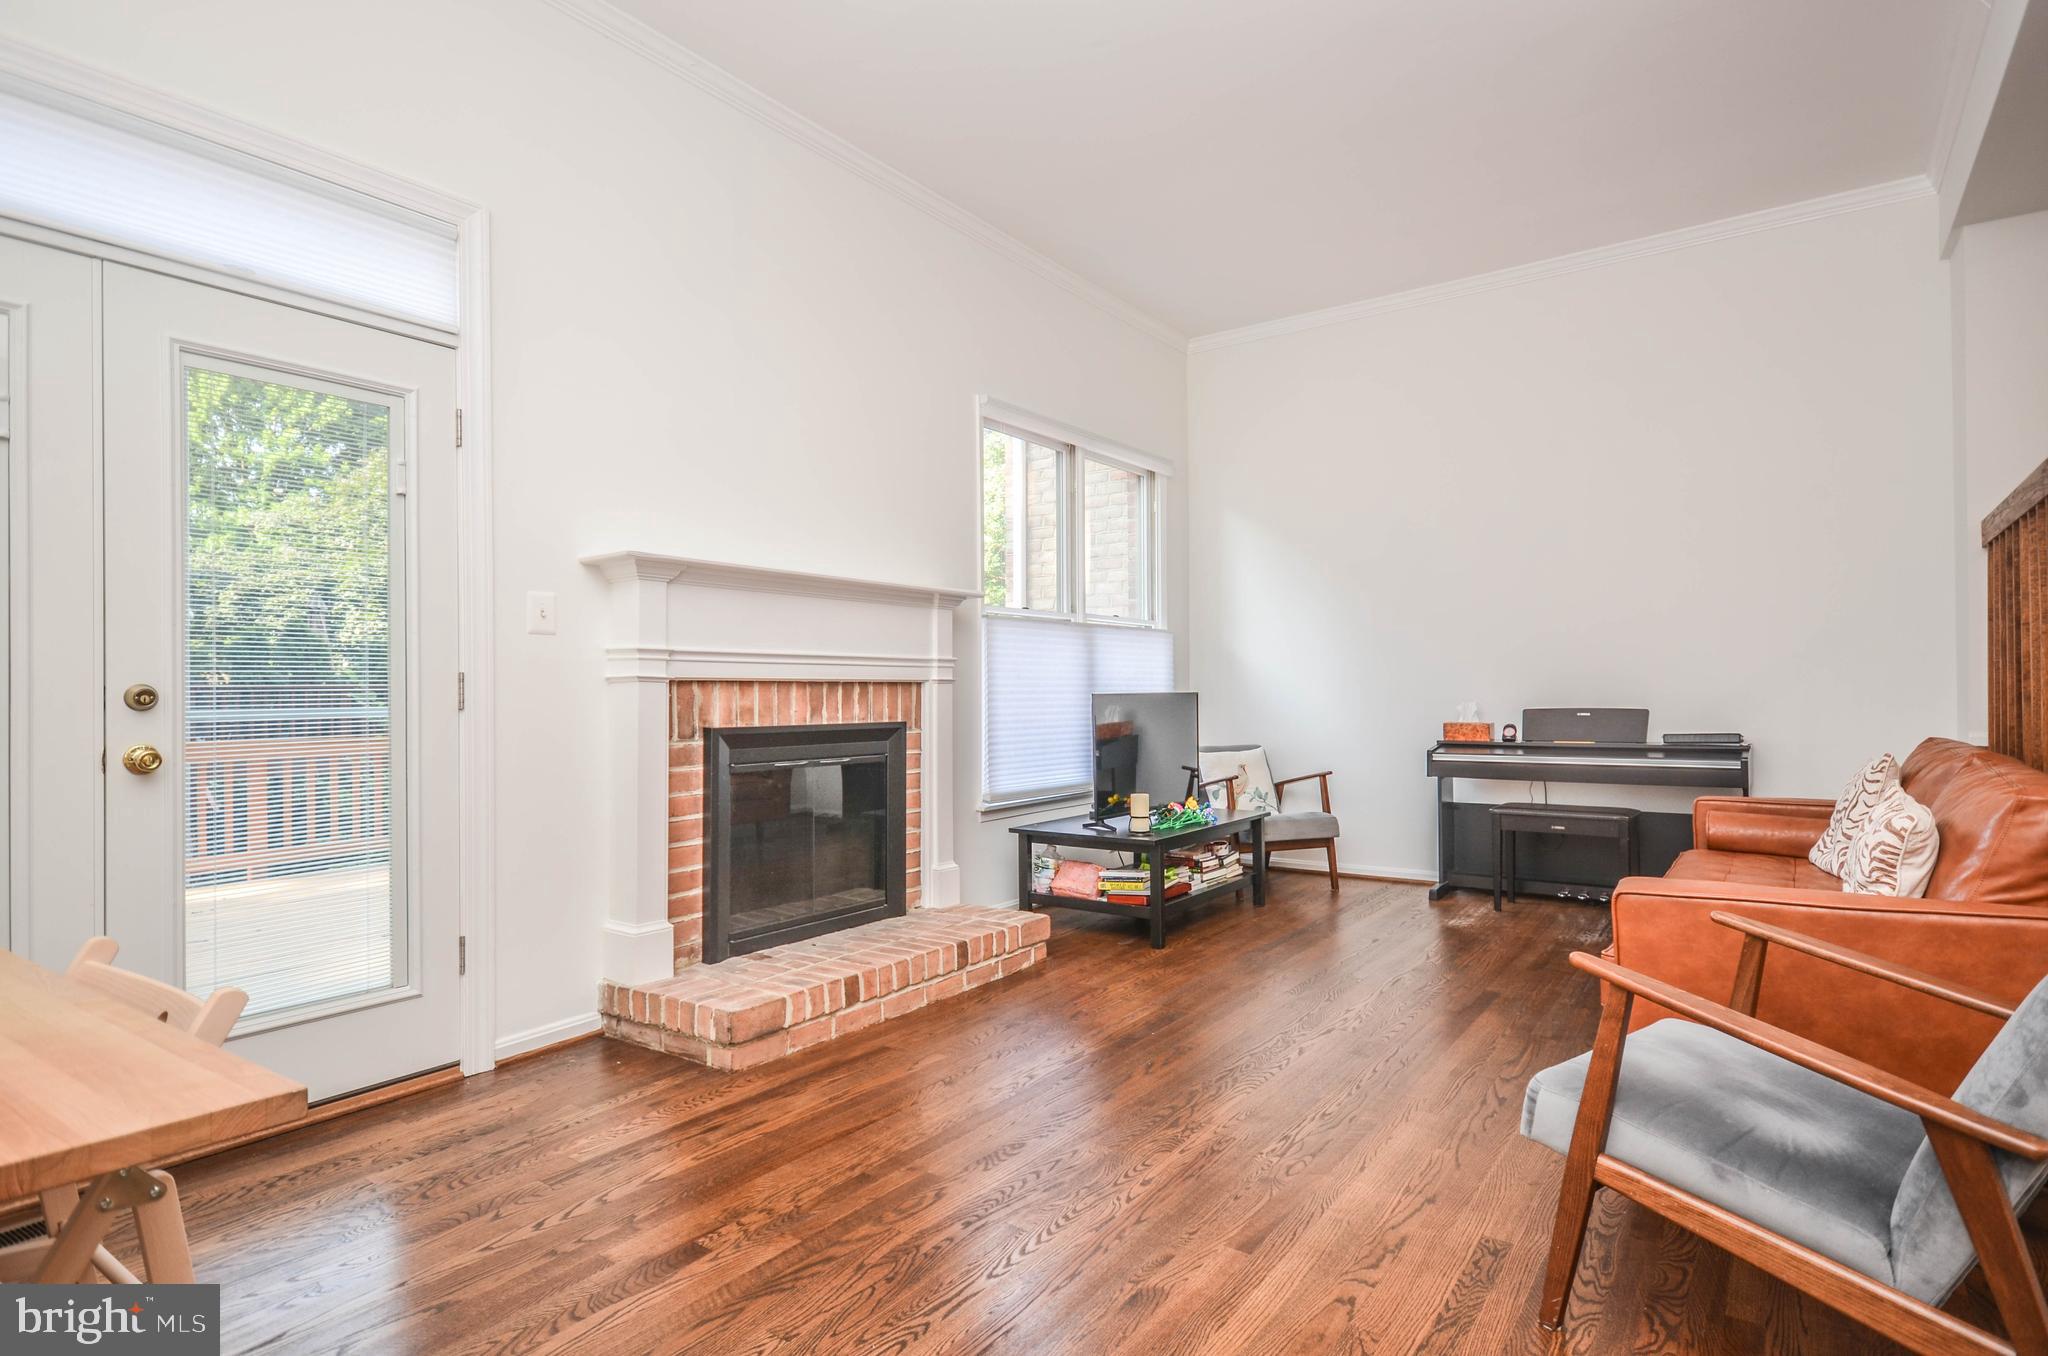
[674, 618]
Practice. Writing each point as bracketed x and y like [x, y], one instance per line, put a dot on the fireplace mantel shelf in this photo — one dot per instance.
[654, 566]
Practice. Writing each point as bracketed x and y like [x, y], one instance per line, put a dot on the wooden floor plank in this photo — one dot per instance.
[1294, 1129]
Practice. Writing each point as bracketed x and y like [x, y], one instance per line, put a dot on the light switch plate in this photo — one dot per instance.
[540, 614]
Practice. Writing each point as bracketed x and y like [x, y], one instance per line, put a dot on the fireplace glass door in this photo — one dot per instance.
[806, 833]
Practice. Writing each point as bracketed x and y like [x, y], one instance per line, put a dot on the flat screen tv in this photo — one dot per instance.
[1144, 741]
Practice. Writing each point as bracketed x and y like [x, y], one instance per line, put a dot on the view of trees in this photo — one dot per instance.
[288, 521]
[995, 518]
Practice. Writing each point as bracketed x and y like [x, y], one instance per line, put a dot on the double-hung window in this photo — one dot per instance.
[1070, 605]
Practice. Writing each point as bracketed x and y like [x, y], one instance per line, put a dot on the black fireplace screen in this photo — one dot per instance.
[805, 830]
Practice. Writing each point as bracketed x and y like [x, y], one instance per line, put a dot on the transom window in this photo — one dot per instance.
[1070, 606]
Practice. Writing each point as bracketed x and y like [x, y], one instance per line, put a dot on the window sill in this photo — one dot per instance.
[1039, 614]
[1047, 806]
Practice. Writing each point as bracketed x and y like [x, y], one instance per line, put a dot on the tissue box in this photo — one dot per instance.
[1468, 731]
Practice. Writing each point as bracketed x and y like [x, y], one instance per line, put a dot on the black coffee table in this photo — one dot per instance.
[1156, 908]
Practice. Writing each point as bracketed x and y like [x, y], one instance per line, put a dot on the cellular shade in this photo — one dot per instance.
[1039, 675]
[126, 182]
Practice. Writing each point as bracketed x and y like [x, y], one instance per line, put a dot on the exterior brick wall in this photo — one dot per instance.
[694, 705]
[1042, 531]
[1111, 502]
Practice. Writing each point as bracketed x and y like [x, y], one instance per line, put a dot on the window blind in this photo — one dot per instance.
[1038, 676]
[293, 780]
[130, 183]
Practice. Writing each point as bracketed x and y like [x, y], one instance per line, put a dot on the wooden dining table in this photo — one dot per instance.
[92, 1093]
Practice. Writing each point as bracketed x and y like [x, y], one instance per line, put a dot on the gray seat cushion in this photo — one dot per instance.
[1774, 1143]
[2009, 1082]
[1304, 824]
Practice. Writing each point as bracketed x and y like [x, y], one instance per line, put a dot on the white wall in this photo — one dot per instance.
[1715, 482]
[708, 341]
[1999, 282]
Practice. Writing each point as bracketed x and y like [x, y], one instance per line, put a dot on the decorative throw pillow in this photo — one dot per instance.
[1258, 797]
[1219, 765]
[1858, 801]
[1894, 855]
[1251, 781]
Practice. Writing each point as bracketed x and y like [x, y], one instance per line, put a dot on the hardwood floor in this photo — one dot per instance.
[1291, 1130]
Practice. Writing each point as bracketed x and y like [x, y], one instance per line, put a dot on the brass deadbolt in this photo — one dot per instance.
[140, 697]
[142, 760]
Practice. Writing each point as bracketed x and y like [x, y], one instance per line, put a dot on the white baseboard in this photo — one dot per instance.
[1316, 862]
[534, 1038]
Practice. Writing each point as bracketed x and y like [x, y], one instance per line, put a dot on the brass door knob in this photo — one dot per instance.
[142, 760]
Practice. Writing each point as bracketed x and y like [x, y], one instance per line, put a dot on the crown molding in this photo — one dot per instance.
[1770, 219]
[730, 90]
[1975, 107]
[1962, 69]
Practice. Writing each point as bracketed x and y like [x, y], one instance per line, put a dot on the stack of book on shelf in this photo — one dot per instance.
[1208, 864]
[1186, 870]
[1134, 883]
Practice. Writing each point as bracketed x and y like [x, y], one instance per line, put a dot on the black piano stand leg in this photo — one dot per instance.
[1500, 862]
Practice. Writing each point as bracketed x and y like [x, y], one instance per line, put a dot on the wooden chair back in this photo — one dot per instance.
[210, 1020]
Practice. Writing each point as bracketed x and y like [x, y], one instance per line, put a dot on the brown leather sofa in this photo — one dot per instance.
[1984, 920]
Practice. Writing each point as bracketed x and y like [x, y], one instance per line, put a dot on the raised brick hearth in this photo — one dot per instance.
[751, 1009]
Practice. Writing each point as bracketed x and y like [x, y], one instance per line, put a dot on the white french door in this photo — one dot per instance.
[276, 658]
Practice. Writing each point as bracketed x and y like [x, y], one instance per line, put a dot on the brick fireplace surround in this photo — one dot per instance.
[695, 705]
[704, 644]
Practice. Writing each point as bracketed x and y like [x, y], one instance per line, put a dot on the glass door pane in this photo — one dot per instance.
[291, 590]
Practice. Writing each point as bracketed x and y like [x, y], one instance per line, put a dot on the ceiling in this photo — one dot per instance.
[1219, 163]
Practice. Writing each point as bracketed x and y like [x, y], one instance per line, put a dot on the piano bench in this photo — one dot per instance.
[1573, 821]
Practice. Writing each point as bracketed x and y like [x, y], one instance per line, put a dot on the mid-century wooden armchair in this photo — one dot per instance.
[1868, 1192]
[158, 1219]
[1288, 829]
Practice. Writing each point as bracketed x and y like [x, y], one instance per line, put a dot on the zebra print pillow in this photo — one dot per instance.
[1852, 813]
[1894, 855]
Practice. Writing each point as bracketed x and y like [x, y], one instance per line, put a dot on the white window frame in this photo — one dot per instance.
[1072, 586]
[1075, 448]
